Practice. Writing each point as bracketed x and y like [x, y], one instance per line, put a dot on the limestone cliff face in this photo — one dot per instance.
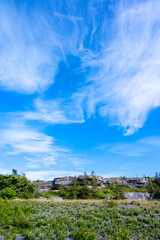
[45, 186]
[137, 195]
[130, 182]
[127, 182]
[65, 181]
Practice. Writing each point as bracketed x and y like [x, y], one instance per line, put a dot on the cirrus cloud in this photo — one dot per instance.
[125, 79]
[122, 53]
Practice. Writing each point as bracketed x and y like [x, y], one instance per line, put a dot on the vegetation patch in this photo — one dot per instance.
[88, 220]
[50, 194]
[16, 186]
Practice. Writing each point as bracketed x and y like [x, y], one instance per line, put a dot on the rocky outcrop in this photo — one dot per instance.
[129, 182]
[101, 181]
[45, 186]
[137, 195]
[65, 181]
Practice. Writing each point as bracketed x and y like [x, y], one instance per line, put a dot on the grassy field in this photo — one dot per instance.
[79, 220]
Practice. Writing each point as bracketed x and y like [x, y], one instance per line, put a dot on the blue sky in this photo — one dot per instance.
[80, 87]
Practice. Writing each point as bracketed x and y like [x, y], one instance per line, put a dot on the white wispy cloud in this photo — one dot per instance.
[25, 61]
[5, 171]
[125, 80]
[50, 175]
[142, 147]
[36, 148]
[22, 139]
[59, 157]
[55, 112]
[122, 53]
[42, 160]
[32, 44]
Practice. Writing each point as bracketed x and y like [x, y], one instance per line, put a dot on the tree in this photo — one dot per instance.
[154, 187]
[94, 185]
[93, 173]
[75, 188]
[90, 188]
[85, 189]
[14, 172]
[118, 191]
[150, 187]
[61, 187]
[157, 175]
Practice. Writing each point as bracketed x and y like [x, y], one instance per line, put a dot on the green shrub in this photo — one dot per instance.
[122, 234]
[84, 234]
[22, 223]
[89, 189]
[50, 194]
[79, 220]
[8, 192]
[154, 187]
[12, 186]
[125, 189]
[118, 191]
[111, 203]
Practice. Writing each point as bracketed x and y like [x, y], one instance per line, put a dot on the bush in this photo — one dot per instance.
[118, 191]
[154, 187]
[125, 189]
[8, 193]
[12, 186]
[22, 223]
[89, 189]
[84, 234]
[50, 194]
[112, 203]
[122, 234]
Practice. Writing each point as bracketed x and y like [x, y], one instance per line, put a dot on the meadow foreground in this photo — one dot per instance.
[79, 220]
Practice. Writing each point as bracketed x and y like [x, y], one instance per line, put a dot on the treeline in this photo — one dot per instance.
[16, 186]
[90, 190]
[154, 186]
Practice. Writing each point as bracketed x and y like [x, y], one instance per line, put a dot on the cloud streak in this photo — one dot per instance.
[141, 147]
[55, 112]
[125, 80]
[22, 139]
[5, 171]
[25, 62]
[122, 53]
[32, 44]
[37, 149]
[50, 175]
